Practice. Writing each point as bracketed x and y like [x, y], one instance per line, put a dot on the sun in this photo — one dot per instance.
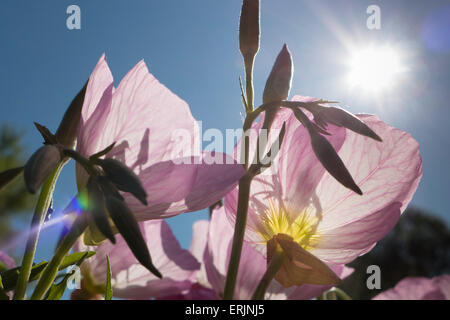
[375, 68]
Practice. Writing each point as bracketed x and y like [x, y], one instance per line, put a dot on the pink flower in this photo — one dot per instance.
[145, 119]
[251, 268]
[211, 244]
[418, 288]
[131, 280]
[300, 199]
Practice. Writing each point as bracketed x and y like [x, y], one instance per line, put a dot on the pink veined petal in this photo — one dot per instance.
[388, 174]
[418, 288]
[131, 280]
[293, 177]
[100, 79]
[217, 255]
[174, 188]
[145, 118]
[345, 243]
[152, 129]
[199, 239]
[252, 266]
[90, 131]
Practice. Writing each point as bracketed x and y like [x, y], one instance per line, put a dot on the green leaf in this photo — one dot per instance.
[10, 276]
[56, 291]
[3, 295]
[108, 291]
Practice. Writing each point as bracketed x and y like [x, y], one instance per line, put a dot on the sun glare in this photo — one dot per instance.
[374, 68]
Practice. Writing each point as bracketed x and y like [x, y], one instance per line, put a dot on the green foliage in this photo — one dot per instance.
[10, 276]
[56, 291]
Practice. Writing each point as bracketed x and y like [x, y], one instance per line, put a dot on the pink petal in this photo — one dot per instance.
[388, 174]
[152, 128]
[252, 266]
[130, 279]
[175, 188]
[199, 239]
[437, 288]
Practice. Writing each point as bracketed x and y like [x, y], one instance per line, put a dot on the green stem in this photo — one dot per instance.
[249, 83]
[275, 264]
[51, 270]
[40, 213]
[341, 294]
[238, 238]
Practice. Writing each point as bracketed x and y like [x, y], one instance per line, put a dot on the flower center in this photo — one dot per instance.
[301, 227]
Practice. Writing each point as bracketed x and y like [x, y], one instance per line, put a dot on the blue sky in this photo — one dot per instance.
[192, 48]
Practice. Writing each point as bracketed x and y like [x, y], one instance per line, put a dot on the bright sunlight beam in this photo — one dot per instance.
[374, 68]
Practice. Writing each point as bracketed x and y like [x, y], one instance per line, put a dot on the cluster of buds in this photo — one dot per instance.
[105, 203]
[46, 159]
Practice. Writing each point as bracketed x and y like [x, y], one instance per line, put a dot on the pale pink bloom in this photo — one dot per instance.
[418, 288]
[147, 122]
[131, 280]
[252, 266]
[301, 199]
[209, 281]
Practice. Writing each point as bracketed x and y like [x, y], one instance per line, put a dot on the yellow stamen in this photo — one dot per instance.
[302, 228]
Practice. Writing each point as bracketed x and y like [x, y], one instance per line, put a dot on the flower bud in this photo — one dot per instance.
[40, 166]
[249, 29]
[68, 128]
[128, 227]
[278, 84]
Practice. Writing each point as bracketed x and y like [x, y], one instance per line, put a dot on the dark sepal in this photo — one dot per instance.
[49, 138]
[128, 227]
[343, 118]
[326, 154]
[68, 128]
[103, 152]
[97, 209]
[123, 178]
